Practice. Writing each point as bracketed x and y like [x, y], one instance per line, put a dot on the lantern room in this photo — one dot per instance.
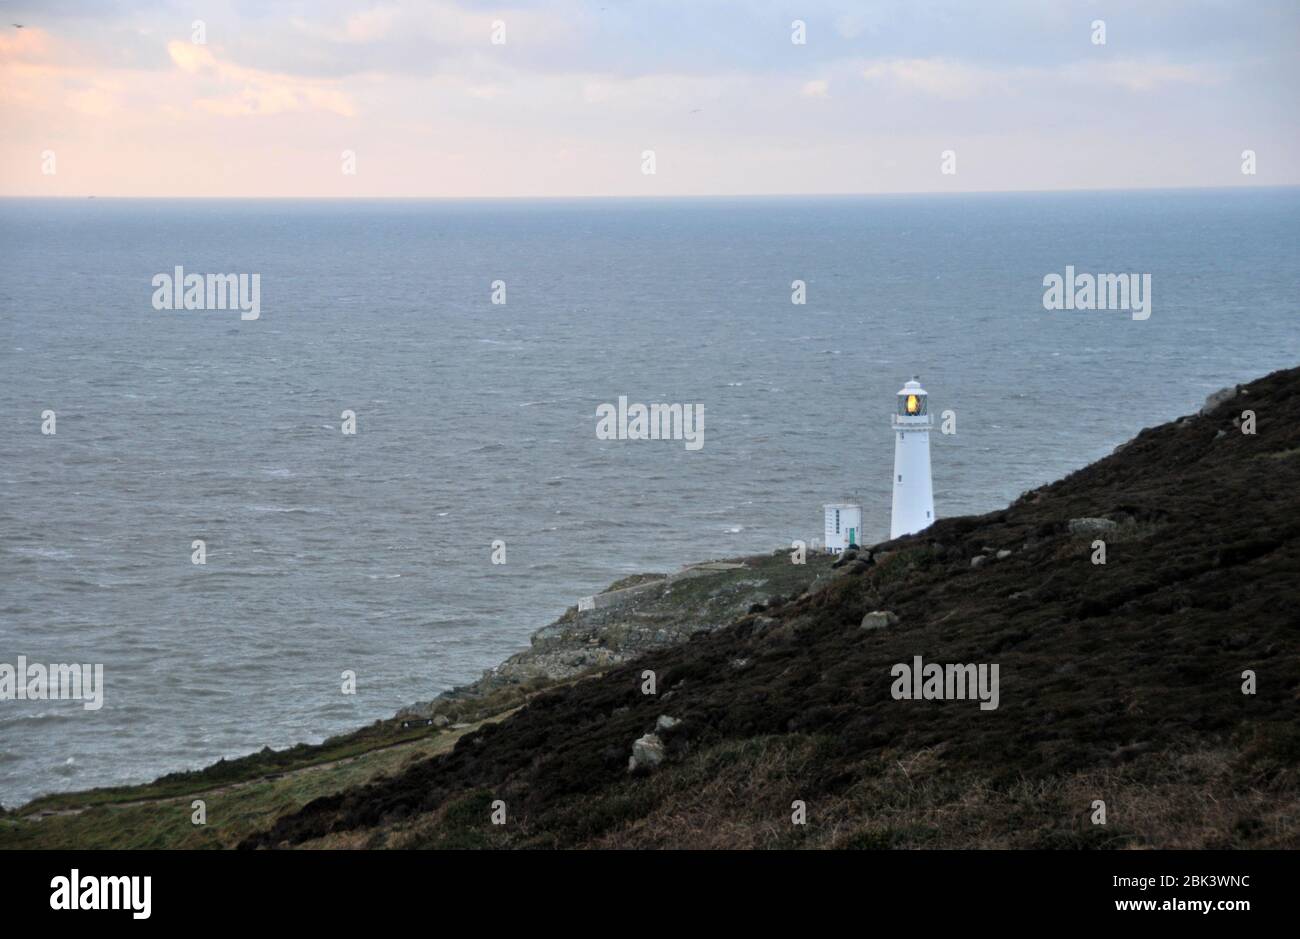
[912, 400]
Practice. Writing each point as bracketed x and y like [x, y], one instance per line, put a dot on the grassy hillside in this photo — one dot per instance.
[1119, 683]
[244, 795]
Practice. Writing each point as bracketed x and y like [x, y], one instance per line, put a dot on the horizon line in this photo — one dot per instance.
[667, 196]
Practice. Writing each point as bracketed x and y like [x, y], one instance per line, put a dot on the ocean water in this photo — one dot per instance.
[476, 421]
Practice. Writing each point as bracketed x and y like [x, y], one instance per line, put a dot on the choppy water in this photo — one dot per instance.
[477, 421]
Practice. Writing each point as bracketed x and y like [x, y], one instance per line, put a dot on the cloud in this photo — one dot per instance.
[952, 79]
[853, 25]
[941, 78]
[190, 57]
[259, 93]
[1144, 76]
[24, 44]
[579, 90]
[365, 27]
[100, 99]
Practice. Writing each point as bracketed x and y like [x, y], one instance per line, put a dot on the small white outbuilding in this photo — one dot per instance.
[843, 525]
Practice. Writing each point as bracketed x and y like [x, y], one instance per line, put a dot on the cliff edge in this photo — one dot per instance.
[1140, 614]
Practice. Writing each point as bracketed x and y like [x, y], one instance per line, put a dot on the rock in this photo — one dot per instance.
[665, 723]
[1081, 525]
[609, 635]
[978, 560]
[420, 709]
[879, 619]
[1221, 433]
[848, 557]
[441, 721]
[1219, 397]
[1004, 553]
[647, 753]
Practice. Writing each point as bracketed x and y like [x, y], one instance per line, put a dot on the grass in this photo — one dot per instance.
[241, 770]
[239, 798]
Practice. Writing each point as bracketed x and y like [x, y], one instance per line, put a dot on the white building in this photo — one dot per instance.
[843, 526]
[913, 490]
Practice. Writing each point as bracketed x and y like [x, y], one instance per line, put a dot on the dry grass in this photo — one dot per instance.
[738, 796]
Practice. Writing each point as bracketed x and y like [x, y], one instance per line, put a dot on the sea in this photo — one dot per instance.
[472, 343]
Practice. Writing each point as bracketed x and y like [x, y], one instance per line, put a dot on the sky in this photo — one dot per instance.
[344, 98]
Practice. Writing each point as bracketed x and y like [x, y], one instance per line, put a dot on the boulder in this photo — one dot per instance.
[1004, 553]
[665, 723]
[978, 560]
[441, 721]
[879, 619]
[1083, 525]
[647, 753]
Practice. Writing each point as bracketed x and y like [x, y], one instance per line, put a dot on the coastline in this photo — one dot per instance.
[763, 662]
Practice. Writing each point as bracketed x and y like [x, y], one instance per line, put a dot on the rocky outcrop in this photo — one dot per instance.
[1082, 526]
[652, 611]
[879, 619]
[1219, 397]
[647, 753]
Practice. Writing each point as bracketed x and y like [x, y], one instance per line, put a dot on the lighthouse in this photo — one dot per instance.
[913, 492]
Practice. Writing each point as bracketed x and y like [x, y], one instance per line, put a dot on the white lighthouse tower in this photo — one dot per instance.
[913, 491]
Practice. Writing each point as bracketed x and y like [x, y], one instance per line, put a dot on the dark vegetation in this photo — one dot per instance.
[268, 763]
[1120, 682]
